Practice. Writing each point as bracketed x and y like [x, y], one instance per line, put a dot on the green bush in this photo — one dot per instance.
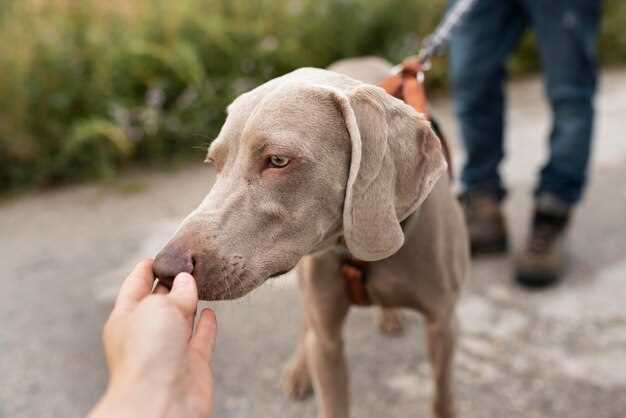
[89, 87]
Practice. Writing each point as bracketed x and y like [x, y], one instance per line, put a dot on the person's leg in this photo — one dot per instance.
[567, 32]
[478, 51]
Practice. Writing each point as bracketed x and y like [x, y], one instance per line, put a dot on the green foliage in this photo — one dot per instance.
[613, 39]
[88, 87]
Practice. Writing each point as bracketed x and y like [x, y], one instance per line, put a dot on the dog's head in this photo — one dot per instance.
[302, 160]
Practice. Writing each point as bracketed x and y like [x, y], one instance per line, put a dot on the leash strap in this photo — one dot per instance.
[354, 273]
[434, 44]
[407, 83]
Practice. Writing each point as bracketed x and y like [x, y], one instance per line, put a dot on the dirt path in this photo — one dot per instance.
[557, 354]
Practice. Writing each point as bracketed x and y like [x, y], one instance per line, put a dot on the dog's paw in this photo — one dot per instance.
[296, 381]
[389, 322]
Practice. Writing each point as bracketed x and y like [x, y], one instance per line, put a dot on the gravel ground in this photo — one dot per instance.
[558, 353]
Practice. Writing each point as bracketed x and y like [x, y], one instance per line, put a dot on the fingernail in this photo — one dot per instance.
[181, 280]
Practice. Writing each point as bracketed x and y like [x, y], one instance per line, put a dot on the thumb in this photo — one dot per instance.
[184, 294]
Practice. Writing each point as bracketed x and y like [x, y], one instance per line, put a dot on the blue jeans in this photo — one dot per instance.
[566, 33]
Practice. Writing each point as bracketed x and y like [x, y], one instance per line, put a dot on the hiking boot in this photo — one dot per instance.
[544, 260]
[485, 223]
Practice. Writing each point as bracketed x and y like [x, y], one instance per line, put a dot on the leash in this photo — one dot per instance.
[434, 44]
[407, 83]
[407, 79]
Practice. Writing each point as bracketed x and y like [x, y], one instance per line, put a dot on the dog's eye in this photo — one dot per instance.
[278, 161]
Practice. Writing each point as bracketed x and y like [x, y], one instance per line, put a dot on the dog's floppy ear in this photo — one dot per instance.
[396, 160]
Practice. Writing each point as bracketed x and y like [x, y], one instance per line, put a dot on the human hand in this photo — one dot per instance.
[157, 368]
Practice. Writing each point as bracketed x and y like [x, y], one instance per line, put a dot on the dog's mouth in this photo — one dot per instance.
[168, 282]
[165, 283]
[280, 273]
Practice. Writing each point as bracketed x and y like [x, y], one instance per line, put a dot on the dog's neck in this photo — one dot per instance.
[355, 272]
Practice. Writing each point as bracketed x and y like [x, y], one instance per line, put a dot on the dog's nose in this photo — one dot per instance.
[171, 261]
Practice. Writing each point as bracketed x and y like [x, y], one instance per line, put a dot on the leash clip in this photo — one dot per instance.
[423, 68]
[420, 76]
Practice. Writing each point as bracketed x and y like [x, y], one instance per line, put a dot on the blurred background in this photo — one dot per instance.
[106, 110]
[89, 87]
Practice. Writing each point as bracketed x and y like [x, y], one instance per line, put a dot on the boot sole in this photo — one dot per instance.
[535, 280]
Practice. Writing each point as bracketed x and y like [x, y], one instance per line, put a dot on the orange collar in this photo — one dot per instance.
[355, 272]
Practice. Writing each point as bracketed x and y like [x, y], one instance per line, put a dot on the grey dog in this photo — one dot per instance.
[314, 165]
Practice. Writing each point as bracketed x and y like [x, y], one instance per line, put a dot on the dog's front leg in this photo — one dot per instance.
[326, 307]
[442, 333]
[329, 373]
